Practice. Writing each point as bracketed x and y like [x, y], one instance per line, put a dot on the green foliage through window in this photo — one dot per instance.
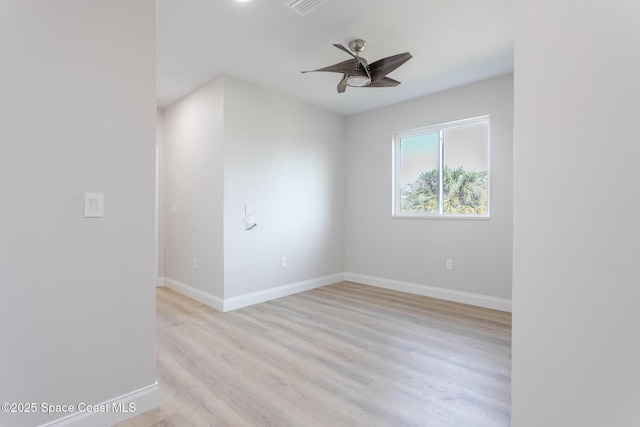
[465, 192]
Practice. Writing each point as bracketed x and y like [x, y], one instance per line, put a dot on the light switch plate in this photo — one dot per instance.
[93, 205]
[249, 209]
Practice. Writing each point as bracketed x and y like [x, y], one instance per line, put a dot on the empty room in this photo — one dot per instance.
[319, 213]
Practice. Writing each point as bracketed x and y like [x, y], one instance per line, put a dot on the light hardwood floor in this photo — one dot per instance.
[342, 355]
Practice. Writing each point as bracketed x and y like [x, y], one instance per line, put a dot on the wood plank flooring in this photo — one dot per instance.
[342, 355]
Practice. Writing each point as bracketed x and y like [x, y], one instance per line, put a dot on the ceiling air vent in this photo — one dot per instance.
[303, 7]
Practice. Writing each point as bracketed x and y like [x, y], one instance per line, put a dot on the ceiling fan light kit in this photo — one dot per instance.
[360, 73]
[358, 81]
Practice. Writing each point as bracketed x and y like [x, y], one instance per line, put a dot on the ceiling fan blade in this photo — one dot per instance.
[383, 82]
[362, 61]
[339, 46]
[344, 67]
[384, 66]
[342, 86]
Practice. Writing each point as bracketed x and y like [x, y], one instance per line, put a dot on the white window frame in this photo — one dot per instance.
[397, 169]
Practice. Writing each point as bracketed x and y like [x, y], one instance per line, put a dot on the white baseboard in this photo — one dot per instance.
[280, 291]
[246, 300]
[112, 411]
[479, 300]
[234, 303]
[193, 293]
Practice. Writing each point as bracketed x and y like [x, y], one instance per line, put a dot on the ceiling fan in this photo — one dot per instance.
[360, 73]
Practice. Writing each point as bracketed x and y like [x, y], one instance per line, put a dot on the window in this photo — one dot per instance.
[443, 170]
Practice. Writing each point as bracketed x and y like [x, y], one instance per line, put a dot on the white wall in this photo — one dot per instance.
[77, 114]
[410, 254]
[576, 345]
[160, 192]
[231, 143]
[287, 158]
[193, 180]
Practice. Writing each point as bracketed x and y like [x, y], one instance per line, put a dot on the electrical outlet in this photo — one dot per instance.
[449, 264]
[283, 262]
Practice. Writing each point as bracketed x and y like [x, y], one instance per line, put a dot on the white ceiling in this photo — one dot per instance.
[453, 42]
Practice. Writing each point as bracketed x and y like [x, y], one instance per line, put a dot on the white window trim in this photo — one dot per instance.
[396, 169]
